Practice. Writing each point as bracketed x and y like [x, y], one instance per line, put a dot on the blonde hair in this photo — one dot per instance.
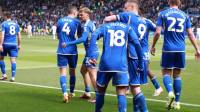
[85, 10]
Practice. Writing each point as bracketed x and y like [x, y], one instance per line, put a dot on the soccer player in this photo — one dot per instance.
[67, 55]
[54, 31]
[113, 62]
[29, 27]
[175, 24]
[144, 28]
[88, 71]
[10, 43]
[131, 17]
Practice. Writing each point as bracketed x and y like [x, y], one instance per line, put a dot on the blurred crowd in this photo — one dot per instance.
[42, 14]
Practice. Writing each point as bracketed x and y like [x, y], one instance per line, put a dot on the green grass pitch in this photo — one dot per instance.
[36, 66]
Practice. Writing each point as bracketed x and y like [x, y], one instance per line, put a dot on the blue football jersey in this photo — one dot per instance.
[174, 22]
[144, 27]
[115, 38]
[66, 30]
[134, 21]
[10, 29]
[88, 29]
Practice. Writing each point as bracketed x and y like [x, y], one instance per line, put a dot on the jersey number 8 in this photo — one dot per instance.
[12, 30]
[117, 37]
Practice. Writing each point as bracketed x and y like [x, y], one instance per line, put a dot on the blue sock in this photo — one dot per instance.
[63, 83]
[177, 88]
[167, 82]
[87, 89]
[3, 67]
[72, 83]
[13, 68]
[140, 104]
[122, 105]
[155, 82]
[99, 102]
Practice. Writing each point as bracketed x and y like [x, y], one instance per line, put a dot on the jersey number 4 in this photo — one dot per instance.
[173, 23]
[66, 28]
[116, 37]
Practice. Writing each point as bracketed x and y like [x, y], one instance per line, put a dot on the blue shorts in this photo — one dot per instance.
[118, 78]
[171, 60]
[87, 64]
[11, 50]
[63, 60]
[137, 78]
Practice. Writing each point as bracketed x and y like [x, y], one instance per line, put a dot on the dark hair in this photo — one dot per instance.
[71, 9]
[175, 2]
[7, 14]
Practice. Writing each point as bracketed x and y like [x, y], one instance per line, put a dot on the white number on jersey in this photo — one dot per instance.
[12, 30]
[141, 30]
[66, 28]
[180, 24]
[117, 38]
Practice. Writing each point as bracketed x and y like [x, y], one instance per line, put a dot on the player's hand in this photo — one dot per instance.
[93, 61]
[1, 48]
[19, 47]
[64, 45]
[197, 55]
[153, 51]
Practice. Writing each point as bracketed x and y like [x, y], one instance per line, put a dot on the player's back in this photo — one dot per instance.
[175, 22]
[66, 29]
[10, 30]
[114, 56]
[134, 21]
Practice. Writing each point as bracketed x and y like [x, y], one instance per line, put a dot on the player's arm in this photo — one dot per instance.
[135, 40]
[19, 38]
[93, 49]
[157, 34]
[82, 39]
[110, 18]
[2, 37]
[193, 40]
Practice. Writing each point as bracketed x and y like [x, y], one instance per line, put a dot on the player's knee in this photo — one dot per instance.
[121, 90]
[135, 89]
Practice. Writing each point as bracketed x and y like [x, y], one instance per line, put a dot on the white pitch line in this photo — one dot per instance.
[81, 91]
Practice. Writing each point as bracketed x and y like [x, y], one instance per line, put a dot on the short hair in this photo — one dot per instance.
[71, 9]
[7, 14]
[175, 2]
[85, 10]
[133, 1]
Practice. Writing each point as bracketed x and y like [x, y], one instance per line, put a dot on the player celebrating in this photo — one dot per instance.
[175, 24]
[87, 70]
[132, 18]
[113, 63]
[66, 29]
[10, 43]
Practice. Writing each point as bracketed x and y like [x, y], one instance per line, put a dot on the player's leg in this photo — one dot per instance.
[13, 53]
[13, 68]
[93, 74]
[72, 61]
[153, 78]
[120, 80]
[62, 64]
[167, 64]
[139, 100]
[102, 83]
[179, 64]
[3, 68]
[86, 79]
[177, 87]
